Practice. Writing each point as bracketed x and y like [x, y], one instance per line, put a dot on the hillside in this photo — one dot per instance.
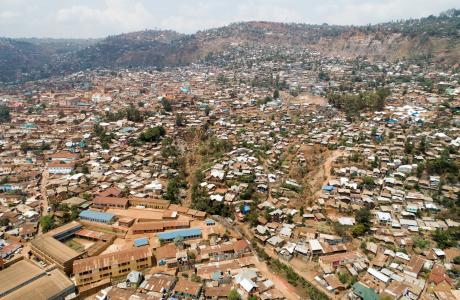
[17, 57]
[434, 38]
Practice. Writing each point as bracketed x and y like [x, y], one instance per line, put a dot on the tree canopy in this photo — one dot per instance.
[4, 114]
[47, 223]
[353, 104]
[152, 134]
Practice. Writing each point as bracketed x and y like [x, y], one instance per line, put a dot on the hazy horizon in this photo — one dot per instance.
[84, 19]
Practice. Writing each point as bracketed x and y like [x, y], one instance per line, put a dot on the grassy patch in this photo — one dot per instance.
[75, 245]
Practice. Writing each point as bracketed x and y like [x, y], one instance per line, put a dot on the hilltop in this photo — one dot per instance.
[434, 38]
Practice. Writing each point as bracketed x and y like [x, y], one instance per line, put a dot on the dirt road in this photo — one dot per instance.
[324, 173]
[44, 199]
[280, 284]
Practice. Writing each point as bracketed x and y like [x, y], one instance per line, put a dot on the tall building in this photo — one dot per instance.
[111, 265]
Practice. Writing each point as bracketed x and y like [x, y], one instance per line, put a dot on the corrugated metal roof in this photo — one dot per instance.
[97, 215]
[179, 233]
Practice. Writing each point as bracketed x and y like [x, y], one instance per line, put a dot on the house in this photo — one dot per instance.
[384, 218]
[415, 265]
[347, 221]
[27, 231]
[110, 192]
[63, 156]
[158, 284]
[248, 285]
[217, 292]
[360, 291]
[378, 275]
[275, 241]
[166, 255]
[228, 250]
[438, 276]
[186, 289]
[334, 283]
[331, 262]
[60, 168]
[315, 247]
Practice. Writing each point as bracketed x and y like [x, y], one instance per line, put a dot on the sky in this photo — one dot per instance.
[100, 18]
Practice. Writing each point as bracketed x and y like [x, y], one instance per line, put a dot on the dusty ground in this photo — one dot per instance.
[118, 245]
[305, 98]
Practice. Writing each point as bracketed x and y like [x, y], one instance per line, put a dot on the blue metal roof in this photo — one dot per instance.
[184, 233]
[216, 276]
[97, 215]
[328, 188]
[141, 242]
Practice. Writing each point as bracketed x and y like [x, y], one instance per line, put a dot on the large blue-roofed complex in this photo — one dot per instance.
[186, 234]
[97, 216]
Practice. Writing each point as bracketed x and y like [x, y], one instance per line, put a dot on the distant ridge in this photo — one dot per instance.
[434, 38]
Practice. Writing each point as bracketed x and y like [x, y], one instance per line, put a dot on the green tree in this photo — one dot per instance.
[152, 134]
[422, 146]
[85, 169]
[4, 222]
[363, 221]
[167, 105]
[374, 131]
[421, 243]
[442, 165]
[408, 147]
[4, 114]
[172, 191]
[447, 238]
[25, 147]
[134, 115]
[358, 230]
[456, 260]
[368, 181]
[233, 295]
[47, 223]
[180, 120]
[420, 169]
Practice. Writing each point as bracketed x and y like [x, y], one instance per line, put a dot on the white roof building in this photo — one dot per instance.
[315, 246]
[379, 275]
